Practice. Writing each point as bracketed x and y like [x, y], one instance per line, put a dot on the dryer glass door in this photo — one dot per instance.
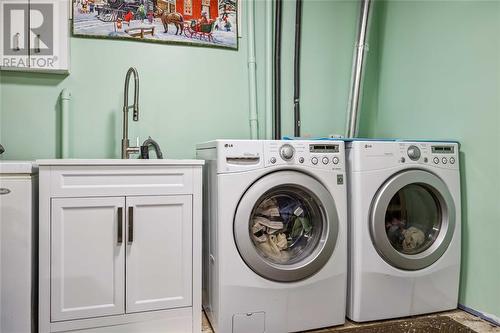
[412, 219]
[286, 226]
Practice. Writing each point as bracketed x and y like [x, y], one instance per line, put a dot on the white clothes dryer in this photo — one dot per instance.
[275, 235]
[404, 207]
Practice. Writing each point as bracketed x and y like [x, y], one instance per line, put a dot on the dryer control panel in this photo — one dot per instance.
[328, 155]
[440, 154]
[377, 155]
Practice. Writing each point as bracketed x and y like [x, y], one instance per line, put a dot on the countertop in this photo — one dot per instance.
[17, 167]
[119, 162]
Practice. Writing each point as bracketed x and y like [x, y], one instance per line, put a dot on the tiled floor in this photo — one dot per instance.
[474, 323]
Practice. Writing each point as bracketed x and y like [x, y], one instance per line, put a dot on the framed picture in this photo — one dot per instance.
[211, 23]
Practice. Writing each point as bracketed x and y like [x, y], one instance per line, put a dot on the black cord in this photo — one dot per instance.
[277, 71]
[296, 67]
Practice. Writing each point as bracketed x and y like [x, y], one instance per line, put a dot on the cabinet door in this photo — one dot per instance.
[159, 252]
[16, 253]
[14, 36]
[49, 44]
[87, 257]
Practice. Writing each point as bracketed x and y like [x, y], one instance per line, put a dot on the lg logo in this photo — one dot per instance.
[228, 145]
[28, 29]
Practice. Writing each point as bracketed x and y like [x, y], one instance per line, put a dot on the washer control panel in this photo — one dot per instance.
[325, 155]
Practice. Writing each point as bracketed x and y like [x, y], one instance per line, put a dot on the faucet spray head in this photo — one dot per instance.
[135, 107]
[135, 113]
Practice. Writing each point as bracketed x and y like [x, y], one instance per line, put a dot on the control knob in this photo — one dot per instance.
[287, 152]
[413, 153]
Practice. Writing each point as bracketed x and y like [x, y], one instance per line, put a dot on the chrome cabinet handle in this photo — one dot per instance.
[37, 44]
[16, 42]
[120, 225]
[130, 224]
[4, 191]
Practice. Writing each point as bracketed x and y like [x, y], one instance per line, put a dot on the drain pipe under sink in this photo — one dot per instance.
[65, 99]
[252, 80]
[358, 64]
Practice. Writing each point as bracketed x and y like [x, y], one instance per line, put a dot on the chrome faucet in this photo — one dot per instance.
[126, 149]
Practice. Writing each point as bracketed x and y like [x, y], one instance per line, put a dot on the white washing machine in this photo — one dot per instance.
[275, 235]
[404, 206]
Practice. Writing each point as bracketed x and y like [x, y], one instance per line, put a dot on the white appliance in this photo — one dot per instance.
[404, 200]
[275, 235]
[18, 247]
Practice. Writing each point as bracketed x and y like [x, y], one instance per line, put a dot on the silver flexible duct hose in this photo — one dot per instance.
[357, 70]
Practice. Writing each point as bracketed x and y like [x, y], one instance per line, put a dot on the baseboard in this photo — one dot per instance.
[481, 315]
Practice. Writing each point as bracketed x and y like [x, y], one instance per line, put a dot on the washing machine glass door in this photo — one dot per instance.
[412, 219]
[286, 226]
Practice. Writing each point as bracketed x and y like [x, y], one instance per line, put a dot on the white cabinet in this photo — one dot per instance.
[14, 42]
[18, 231]
[120, 246]
[34, 35]
[159, 252]
[87, 257]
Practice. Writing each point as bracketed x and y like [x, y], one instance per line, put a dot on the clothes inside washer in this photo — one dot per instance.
[280, 227]
[268, 208]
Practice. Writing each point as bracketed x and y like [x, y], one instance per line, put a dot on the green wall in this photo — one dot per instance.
[328, 34]
[188, 94]
[433, 72]
[438, 77]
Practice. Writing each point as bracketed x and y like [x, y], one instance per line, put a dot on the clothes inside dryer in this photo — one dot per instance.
[413, 219]
[285, 225]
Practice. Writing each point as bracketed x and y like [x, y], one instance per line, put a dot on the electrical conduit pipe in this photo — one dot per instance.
[252, 67]
[65, 99]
